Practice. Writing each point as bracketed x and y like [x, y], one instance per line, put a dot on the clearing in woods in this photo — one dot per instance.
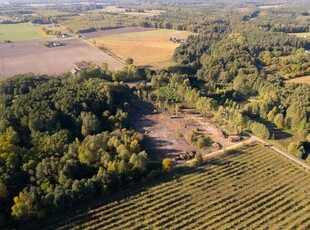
[21, 32]
[148, 48]
[166, 137]
[249, 188]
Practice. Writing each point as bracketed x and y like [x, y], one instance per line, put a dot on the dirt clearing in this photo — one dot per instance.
[167, 137]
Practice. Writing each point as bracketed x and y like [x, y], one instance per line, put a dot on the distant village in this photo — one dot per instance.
[84, 65]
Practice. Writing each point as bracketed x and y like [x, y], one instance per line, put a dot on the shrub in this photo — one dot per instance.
[198, 159]
[167, 165]
[260, 130]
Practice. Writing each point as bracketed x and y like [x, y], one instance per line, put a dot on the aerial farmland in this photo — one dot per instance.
[168, 115]
[23, 51]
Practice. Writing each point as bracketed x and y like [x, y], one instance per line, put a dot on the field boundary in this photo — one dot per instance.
[252, 188]
[108, 53]
[282, 153]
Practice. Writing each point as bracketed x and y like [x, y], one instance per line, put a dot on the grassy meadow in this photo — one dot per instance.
[250, 188]
[21, 32]
[150, 48]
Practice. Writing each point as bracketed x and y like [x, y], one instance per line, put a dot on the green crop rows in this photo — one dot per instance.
[253, 188]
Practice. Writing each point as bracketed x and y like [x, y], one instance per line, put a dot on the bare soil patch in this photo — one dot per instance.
[161, 133]
[4, 18]
[32, 56]
[102, 33]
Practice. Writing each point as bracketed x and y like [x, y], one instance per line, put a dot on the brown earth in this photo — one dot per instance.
[32, 56]
[102, 33]
[161, 132]
[4, 18]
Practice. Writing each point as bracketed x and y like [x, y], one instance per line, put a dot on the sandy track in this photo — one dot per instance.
[32, 56]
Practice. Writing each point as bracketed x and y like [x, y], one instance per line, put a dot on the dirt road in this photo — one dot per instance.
[287, 155]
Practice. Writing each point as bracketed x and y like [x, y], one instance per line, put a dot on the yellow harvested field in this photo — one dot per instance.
[114, 9]
[301, 35]
[305, 79]
[146, 13]
[149, 48]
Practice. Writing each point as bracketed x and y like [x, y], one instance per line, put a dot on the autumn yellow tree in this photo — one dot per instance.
[167, 165]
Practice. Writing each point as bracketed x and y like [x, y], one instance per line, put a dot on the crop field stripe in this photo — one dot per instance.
[255, 211]
[141, 198]
[160, 210]
[248, 200]
[217, 195]
[299, 221]
[254, 188]
[277, 209]
[164, 187]
[216, 213]
[163, 197]
[103, 207]
[297, 209]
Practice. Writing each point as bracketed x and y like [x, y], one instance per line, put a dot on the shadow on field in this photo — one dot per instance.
[80, 214]
[138, 121]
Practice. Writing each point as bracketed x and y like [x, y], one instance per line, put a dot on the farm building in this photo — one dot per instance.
[80, 66]
[52, 44]
[178, 40]
[74, 71]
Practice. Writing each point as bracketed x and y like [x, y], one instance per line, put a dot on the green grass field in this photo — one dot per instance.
[20, 32]
[252, 188]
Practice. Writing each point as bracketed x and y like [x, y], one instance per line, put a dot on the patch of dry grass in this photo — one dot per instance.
[146, 13]
[301, 35]
[305, 79]
[146, 48]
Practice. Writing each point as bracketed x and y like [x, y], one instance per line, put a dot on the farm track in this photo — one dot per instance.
[279, 151]
[254, 189]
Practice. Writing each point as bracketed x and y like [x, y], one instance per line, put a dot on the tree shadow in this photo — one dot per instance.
[81, 214]
[278, 133]
[157, 147]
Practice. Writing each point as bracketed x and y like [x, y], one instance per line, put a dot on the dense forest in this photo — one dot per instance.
[64, 140]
